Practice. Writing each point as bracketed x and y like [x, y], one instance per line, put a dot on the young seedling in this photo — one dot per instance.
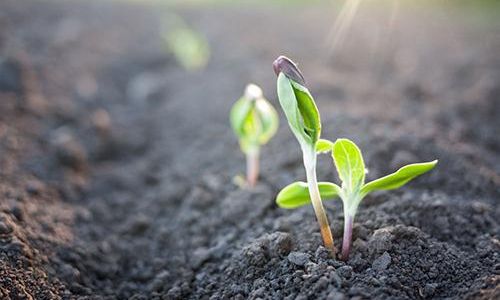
[255, 121]
[351, 169]
[304, 120]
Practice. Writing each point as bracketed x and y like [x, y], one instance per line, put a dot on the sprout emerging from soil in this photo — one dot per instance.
[255, 121]
[351, 169]
[304, 120]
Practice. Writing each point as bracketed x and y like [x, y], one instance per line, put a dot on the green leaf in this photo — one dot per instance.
[297, 194]
[308, 110]
[324, 146]
[189, 47]
[300, 110]
[349, 163]
[399, 178]
[268, 118]
[239, 114]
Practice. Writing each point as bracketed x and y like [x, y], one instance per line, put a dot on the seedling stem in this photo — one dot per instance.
[252, 167]
[310, 166]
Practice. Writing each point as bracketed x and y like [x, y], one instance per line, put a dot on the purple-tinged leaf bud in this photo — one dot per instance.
[286, 66]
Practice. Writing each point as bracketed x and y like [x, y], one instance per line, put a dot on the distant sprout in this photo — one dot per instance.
[255, 121]
[351, 169]
[190, 48]
[304, 121]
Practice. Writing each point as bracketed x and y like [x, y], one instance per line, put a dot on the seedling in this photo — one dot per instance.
[188, 46]
[349, 163]
[255, 121]
[304, 120]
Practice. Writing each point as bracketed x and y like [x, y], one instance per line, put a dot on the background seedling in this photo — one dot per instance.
[350, 166]
[255, 121]
[304, 120]
[188, 46]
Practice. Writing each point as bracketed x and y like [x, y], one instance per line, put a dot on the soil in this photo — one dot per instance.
[116, 165]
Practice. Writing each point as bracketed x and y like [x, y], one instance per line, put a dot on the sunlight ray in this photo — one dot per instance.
[341, 25]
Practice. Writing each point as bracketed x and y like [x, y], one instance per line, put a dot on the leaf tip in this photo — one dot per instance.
[286, 66]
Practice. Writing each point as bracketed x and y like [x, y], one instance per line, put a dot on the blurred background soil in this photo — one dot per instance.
[116, 163]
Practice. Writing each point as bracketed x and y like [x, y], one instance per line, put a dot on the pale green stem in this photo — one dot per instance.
[310, 165]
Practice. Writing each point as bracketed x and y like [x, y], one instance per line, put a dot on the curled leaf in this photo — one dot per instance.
[300, 110]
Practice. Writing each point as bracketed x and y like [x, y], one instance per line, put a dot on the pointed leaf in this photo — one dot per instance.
[399, 178]
[297, 194]
[349, 163]
[300, 110]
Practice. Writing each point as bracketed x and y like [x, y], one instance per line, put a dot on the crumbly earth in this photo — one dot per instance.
[116, 165]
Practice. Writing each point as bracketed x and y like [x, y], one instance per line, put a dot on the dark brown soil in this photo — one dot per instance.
[116, 165]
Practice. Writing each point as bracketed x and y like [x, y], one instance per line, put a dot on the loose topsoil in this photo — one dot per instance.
[116, 165]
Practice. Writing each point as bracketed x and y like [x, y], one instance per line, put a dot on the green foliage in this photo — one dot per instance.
[297, 194]
[303, 118]
[349, 163]
[324, 146]
[253, 119]
[300, 110]
[399, 178]
[189, 47]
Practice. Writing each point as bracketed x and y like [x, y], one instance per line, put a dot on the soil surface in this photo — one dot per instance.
[116, 165]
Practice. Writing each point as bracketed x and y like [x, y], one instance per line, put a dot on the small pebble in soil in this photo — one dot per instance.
[497, 269]
[17, 212]
[70, 152]
[359, 246]
[101, 121]
[321, 284]
[381, 240]
[335, 295]
[335, 279]
[429, 289]
[160, 281]
[382, 262]
[298, 258]
[266, 247]
[5, 228]
[280, 243]
[345, 271]
[33, 188]
[139, 225]
[199, 256]
[322, 253]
